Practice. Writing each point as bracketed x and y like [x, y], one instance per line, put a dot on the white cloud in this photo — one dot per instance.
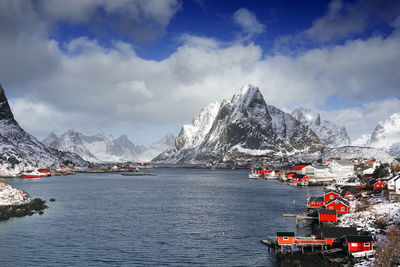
[344, 19]
[136, 88]
[90, 87]
[248, 21]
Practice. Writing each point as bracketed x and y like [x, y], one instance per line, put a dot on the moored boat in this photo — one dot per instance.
[32, 174]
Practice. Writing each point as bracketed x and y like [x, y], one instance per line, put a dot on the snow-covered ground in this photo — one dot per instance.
[376, 215]
[9, 195]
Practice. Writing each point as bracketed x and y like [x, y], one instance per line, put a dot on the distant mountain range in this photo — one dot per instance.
[18, 146]
[105, 148]
[386, 136]
[243, 126]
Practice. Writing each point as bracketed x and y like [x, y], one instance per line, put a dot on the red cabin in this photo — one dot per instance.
[333, 235]
[338, 204]
[285, 238]
[379, 185]
[330, 196]
[315, 202]
[327, 216]
[359, 244]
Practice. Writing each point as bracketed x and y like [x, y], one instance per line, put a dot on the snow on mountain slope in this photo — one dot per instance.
[241, 126]
[70, 142]
[395, 150]
[18, 146]
[328, 132]
[105, 148]
[356, 152]
[156, 148]
[386, 133]
[362, 140]
[96, 148]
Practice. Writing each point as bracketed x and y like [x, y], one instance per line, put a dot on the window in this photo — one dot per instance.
[331, 208]
[331, 197]
[342, 209]
[367, 245]
[285, 238]
[354, 244]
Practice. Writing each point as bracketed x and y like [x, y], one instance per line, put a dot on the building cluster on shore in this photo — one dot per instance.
[30, 170]
[335, 215]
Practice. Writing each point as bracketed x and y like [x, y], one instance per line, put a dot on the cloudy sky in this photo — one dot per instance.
[144, 68]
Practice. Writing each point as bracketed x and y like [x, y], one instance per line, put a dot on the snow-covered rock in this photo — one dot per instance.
[243, 126]
[18, 146]
[330, 134]
[9, 195]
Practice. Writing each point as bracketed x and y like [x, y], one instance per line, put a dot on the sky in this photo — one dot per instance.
[145, 68]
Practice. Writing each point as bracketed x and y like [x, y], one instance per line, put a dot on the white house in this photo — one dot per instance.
[393, 185]
[341, 168]
[317, 171]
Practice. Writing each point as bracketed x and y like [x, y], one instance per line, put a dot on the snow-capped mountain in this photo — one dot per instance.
[156, 148]
[362, 140]
[18, 146]
[96, 148]
[386, 135]
[330, 134]
[243, 126]
[105, 148]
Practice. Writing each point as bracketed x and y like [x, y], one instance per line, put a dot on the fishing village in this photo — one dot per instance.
[354, 221]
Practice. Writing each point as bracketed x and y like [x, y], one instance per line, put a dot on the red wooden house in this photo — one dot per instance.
[285, 238]
[359, 245]
[330, 196]
[327, 216]
[333, 235]
[315, 202]
[339, 204]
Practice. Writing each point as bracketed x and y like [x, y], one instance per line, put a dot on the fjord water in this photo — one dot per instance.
[178, 217]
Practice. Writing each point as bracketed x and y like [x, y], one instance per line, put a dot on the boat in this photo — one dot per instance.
[254, 175]
[32, 174]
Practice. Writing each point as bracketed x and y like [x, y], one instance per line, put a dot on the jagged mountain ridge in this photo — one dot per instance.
[330, 134]
[104, 148]
[18, 146]
[240, 127]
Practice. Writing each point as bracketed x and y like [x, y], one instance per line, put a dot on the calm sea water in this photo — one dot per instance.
[181, 217]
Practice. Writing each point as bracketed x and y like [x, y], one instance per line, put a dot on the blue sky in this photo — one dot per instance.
[144, 68]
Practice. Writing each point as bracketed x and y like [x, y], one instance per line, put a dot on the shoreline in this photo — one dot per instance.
[36, 205]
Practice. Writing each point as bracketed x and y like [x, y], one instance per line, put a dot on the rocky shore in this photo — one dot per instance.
[17, 203]
[36, 205]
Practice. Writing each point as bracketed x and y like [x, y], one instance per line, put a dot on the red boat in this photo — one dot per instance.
[34, 174]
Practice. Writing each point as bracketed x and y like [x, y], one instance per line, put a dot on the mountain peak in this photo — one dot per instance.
[245, 93]
[244, 126]
[5, 110]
